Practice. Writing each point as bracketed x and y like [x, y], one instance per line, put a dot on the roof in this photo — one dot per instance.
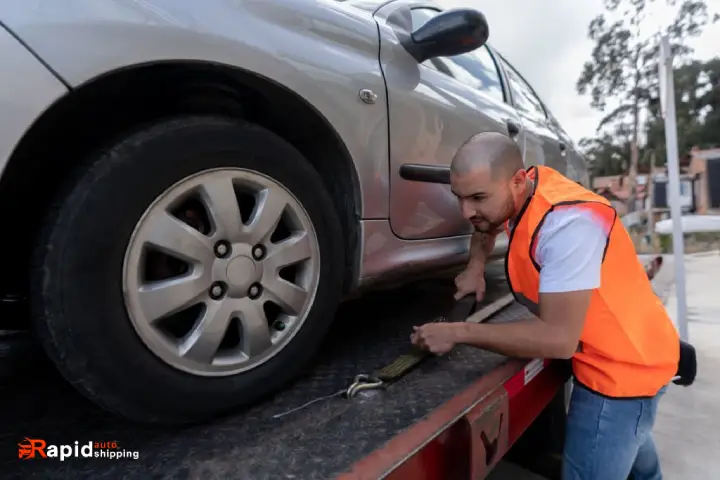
[604, 182]
[709, 154]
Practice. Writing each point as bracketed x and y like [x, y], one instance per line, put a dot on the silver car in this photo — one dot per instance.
[189, 188]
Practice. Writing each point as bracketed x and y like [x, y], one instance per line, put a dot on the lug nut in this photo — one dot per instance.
[279, 326]
[254, 291]
[258, 252]
[222, 249]
[217, 290]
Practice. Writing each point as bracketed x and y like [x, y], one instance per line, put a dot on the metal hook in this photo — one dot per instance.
[363, 382]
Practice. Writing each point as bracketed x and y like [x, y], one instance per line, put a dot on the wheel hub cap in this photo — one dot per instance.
[242, 272]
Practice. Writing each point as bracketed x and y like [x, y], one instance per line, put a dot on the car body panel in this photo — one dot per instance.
[436, 106]
[28, 88]
[388, 259]
[430, 114]
[324, 51]
[577, 168]
[542, 147]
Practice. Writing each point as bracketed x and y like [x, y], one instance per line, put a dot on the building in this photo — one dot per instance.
[615, 188]
[617, 191]
[705, 168]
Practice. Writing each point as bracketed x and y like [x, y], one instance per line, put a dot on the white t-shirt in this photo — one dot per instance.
[571, 245]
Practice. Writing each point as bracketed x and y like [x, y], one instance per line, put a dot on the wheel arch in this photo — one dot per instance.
[107, 106]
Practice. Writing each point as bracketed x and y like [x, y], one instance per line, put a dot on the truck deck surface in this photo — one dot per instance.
[321, 440]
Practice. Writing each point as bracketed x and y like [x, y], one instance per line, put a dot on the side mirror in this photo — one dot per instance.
[452, 32]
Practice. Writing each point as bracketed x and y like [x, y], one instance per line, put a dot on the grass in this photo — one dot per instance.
[693, 243]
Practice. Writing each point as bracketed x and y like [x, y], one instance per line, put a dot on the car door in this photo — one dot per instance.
[433, 108]
[543, 146]
[577, 168]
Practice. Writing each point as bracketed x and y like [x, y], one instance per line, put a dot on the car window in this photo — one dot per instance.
[558, 128]
[525, 99]
[476, 69]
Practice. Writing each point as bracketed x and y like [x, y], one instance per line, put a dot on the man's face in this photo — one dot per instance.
[485, 201]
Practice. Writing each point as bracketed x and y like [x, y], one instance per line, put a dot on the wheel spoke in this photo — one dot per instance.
[266, 217]
[288, 252]
[288, 296]
[255, 328]
[222, 204]
[174, 237]
[150, 302]
[165, 297]
[203, 342]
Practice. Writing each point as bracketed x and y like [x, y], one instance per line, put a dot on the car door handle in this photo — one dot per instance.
[563, 149]
[513, 127]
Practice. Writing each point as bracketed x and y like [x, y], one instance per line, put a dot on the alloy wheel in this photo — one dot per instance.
[221, 271]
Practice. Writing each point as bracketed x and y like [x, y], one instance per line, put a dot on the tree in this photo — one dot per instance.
[623, 65]
[710, 105]
[697, 105]
[606, 154]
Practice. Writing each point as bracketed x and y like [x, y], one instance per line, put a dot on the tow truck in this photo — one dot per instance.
[432, 418]
[418, 417]
[373, 408]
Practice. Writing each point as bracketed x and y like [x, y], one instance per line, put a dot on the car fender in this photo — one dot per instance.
[28, 89]
[324, 51]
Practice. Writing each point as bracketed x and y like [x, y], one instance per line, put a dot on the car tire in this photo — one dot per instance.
[79, 298]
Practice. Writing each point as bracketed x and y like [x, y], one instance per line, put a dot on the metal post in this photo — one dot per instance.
[650, 188]
[667, 99]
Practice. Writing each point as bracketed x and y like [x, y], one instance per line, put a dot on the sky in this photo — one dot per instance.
[549, 44]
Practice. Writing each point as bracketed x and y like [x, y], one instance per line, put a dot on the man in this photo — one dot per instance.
[573, 264]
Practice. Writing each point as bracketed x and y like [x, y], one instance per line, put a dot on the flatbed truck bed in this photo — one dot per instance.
[451, 417]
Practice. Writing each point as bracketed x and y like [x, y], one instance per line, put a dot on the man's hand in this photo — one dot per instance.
[437, 338]
[471, 281]
[555, 334]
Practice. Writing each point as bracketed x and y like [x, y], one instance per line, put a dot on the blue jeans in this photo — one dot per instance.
[608, 439]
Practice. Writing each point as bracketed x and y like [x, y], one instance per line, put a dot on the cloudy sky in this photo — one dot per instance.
[549, 45]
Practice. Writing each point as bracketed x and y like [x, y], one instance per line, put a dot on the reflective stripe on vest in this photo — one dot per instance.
[629, 346]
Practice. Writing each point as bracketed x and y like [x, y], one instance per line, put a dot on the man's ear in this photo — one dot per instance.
[519, 179]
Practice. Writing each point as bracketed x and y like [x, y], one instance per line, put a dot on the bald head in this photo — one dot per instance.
[495, 151]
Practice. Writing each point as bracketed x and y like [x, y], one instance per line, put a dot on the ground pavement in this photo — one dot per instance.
[687, 430]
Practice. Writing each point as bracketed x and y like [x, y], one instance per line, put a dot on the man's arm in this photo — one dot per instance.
[481, 247]
[570, 251]
[554, 335]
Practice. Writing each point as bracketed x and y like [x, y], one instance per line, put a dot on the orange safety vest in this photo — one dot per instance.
[628, 346]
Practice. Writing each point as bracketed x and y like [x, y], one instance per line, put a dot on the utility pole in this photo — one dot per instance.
[652, 235]
[667, 102]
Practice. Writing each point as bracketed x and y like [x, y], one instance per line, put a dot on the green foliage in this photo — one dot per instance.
[697, 102]
[692, 242]
[666, 243]
[605, 154]
[621, 78]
